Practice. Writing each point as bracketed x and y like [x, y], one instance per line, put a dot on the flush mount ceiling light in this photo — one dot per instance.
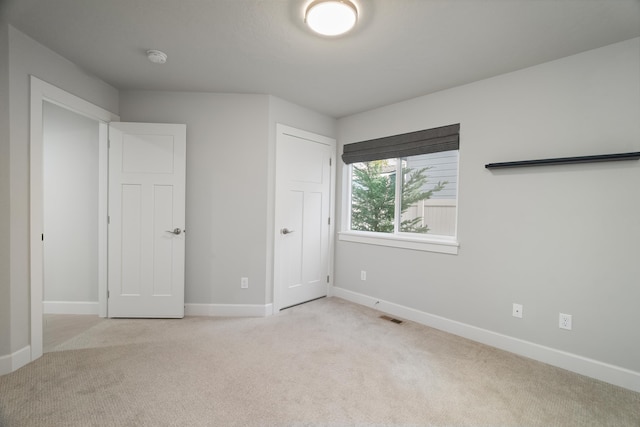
[156, 56]
[331, 17]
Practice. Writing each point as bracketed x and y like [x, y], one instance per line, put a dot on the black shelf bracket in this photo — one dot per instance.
[566, 160]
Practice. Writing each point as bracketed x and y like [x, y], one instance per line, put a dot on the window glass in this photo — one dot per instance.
[373, 196]
[424, 201]
[429, 193]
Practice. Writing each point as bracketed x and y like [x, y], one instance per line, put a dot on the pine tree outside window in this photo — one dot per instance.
[422, 202]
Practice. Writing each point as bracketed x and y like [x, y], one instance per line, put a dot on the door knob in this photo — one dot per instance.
[175, 231]
[286, 231]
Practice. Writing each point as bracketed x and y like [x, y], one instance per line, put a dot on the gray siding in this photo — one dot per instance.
[443, 166]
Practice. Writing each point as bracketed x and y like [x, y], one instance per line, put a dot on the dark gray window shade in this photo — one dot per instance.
[426, 141]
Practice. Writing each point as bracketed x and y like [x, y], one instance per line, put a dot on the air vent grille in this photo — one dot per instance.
[391, 319]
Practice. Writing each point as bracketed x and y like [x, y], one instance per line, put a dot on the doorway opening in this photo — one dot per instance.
[70, 211]
[46, 97]
[70, 215]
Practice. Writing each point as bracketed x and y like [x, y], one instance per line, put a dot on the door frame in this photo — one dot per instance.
[42, 91]
[282, 130]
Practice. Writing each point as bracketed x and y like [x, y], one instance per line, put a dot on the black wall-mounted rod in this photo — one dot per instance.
[566, 160]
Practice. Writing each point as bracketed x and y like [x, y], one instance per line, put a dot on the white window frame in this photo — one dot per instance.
[397, 239]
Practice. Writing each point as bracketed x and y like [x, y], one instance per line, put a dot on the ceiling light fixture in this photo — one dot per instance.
[156, 56]
[331, 17]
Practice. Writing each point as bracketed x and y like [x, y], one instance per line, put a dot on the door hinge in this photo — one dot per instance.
[108, 219]
[108, 143]
[42, 236]
[330, 161]
[108, 294]
[327, 278]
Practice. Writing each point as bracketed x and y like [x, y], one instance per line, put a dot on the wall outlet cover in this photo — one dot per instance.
[517, 310]
[565, 321]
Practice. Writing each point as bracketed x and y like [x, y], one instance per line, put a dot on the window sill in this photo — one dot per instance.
[441, 245]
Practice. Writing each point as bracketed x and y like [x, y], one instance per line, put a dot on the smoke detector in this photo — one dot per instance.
[156, 56]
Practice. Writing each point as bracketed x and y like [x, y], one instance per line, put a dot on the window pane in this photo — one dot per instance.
[429, 193]
[373, 193]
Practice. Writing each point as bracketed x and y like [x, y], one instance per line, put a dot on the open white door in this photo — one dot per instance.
[303, 204]
[146, 219]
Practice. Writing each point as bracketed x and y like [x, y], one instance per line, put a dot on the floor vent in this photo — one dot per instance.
[391, 319]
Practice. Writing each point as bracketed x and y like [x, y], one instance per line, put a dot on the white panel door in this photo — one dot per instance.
[146, 219]
[303, 203]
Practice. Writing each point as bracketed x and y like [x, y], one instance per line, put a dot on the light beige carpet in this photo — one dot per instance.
[60, 328]
[326, 363]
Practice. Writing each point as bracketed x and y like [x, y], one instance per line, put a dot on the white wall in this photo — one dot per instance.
[70, 164]
[230, 153]
[5, 248]
[556, 238]
[226, 172]
[567, 237]
[27, 57]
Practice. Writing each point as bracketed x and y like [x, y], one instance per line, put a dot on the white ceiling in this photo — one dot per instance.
[400, 48]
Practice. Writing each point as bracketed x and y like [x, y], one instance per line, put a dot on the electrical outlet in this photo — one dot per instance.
[517, 310]
[565, 321]
[363, 275]
[244, 282]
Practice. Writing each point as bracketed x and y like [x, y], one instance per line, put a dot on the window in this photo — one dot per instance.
[402, 190]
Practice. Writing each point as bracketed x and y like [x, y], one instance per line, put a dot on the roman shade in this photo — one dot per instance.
[426, 141]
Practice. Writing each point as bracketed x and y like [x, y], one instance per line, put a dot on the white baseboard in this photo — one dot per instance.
[70, 307]
[572, 362]
[13, 362]
[228, 310]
